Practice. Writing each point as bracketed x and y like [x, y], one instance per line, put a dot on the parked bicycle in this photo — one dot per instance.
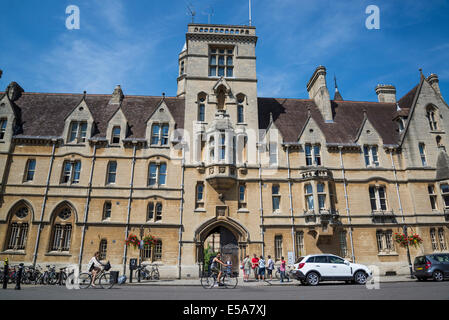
[287, 272]
[146, 274]
[103, 278]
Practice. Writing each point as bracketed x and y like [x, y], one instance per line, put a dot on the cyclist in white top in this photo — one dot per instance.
[94, 266]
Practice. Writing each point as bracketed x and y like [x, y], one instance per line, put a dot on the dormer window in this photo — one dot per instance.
[371, 156]
[78, 132]
[116, 135]
[221, 62]
[3, 123]
[159, 134]
[313, 155]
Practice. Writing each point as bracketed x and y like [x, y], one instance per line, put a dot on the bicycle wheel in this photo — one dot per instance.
[155, 274]
[84, 280]
[106, 281]
[207, 281]
[52, 278]
[230, 282]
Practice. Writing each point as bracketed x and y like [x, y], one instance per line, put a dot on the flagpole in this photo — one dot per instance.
[250, 12]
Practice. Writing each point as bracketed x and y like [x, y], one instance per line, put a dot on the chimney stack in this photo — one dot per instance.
[386, 93]
[117, 96]
[434, 82]
[318, 91]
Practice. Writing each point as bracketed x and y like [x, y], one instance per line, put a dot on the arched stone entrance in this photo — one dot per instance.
[232, 244]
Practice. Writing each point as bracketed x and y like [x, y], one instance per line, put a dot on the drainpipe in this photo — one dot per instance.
[347, 203]
[291, 204]
[125, 250]
[404, 226]
[261, 202]
[181, 210]
[47, 186]
[86, 210]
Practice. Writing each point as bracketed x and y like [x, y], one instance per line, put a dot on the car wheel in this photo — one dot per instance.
[437, 275]
[360, 277]
[313, 279]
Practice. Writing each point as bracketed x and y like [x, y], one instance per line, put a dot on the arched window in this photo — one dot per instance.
[202, 107]
[240, 108]
[16, 236]
[61, 234]
[432, 117]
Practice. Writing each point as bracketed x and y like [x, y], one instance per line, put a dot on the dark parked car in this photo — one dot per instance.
[435, 266]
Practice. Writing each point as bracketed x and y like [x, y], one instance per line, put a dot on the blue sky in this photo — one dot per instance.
[136, 44]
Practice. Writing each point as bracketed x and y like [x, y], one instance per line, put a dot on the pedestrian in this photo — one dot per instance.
[246, 268]
[255, 266]
[282, 269]
[262, 268]
[270, 267]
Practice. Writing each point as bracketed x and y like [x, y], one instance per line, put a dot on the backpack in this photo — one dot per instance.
[211, 259]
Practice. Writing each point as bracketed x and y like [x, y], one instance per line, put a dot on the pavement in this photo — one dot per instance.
[252, 282]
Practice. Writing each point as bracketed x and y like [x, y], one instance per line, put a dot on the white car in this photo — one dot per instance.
[314, 268]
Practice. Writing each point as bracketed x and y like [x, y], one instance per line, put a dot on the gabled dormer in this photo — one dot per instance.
[117, 128]
[312, 139]
[79, 124]
[160, 126]
[371, 143]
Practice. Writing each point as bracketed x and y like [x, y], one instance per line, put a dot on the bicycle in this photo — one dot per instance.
[146, 274]
[48, 277]
[287, 273]
[103, 278]
[228, 280]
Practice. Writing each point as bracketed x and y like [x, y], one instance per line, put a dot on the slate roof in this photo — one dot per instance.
[43, 114]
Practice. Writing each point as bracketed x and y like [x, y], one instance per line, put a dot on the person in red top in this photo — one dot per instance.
[255, 262]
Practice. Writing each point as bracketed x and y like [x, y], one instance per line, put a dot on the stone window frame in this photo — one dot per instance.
[61, 231]
[107, 210]
[445, 195]
[312, 152]
[278, 247]
[299, 244]
[242, 203]
[155, 211]
[215, 52]
[199, 202]
[438, 239]
[377, 197]
[371, 158]
[276, 196]
[201, 105]
[71, 176]
[422, 154]
[158, 174]
[103, 248]
[110, 173]
[433, 198]
[432, 115]
[385, 242]
[29, 170]
[80, 134]
[160, 135]
[3, 127]
[18, 228]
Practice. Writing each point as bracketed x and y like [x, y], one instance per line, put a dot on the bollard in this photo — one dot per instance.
[19, 276]
[5, 275]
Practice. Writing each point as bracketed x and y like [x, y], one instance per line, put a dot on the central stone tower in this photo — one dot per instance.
[217, 78]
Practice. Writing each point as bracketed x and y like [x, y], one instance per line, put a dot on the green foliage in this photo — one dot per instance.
[208, 252]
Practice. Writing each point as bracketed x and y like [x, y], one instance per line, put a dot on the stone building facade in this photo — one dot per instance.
[280, 177]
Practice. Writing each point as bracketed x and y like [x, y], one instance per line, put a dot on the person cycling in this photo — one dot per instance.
[94, 266]
[215, 268]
